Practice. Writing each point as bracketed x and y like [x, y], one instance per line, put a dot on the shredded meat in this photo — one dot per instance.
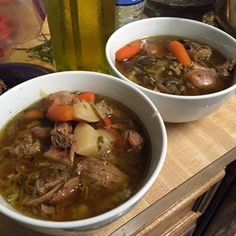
[67, 192]
[103, 109]
[39, 187]
[42, 186]
[26, 146]
[135, 140]
[99, 174]
[202, 54]
[62, 135]
[176, 68]
[41, 132]
[226, 69]
[45, 198]
[58, 155]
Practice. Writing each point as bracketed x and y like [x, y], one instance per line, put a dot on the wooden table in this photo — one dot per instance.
[196, 153]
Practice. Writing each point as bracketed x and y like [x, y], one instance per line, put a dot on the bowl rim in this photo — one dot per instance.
[109, 216]
[150, 91]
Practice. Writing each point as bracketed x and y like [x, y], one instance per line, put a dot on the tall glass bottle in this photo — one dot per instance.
[79, 30]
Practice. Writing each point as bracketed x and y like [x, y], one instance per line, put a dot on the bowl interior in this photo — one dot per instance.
[201, 32]
[176, 108]
[171, 26]
[29, 92]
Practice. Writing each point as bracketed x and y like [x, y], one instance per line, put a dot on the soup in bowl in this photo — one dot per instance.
[76, 151]
[186, 67]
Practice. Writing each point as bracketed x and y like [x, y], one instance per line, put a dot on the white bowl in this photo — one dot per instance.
[29, 92]
[175, 108]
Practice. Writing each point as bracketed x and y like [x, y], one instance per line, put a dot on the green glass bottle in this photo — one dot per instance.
[79, 30]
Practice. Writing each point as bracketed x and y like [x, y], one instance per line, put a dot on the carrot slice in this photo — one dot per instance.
[87, 96]
[129, 51]
[33, 115]
[179, 51]
[107, 122]
[60, 113]
[119, 141]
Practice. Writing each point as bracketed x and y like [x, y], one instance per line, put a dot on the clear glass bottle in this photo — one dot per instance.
[79, 30]
[128, 11]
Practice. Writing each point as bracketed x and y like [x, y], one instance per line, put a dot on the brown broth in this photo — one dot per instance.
[156, 73]
[18, 174]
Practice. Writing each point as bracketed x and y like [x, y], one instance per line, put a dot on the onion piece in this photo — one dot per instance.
[84, 111]
[106, 134]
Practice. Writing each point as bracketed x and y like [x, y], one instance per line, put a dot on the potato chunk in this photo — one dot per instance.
[105, 140]
[86, 140]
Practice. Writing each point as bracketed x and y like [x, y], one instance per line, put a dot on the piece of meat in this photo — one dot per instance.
[155, 49]
[39, 188]
[45, 198]
[42, 186]
[59, 98]
[135, 140]
[55, 154]
[198, 52]
[3, 87]
[176, 68]
[26, 146]
[203, 78]
[100, 175]
[62, 135]
[42, 133]
[202, 54]
[66, 194]
[226, 70]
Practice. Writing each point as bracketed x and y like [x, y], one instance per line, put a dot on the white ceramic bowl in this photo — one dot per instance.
[175, 108]
[29, 92]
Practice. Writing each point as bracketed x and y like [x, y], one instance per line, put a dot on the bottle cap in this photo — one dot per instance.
[127, 2]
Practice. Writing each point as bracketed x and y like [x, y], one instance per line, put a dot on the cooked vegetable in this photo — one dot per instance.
[87, 96]
[86, 140]
[119, 141]
[106, 140]
[81, 159]
[84, 111]
[129, 51]
[60, 113]
[105, 133]
[178, 50]
[107, 122]
[179, 66]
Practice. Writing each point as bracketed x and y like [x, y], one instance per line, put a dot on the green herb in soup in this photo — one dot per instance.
[175, 65]
[72, 156]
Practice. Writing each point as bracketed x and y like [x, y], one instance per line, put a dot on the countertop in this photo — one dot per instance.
[191, 148]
